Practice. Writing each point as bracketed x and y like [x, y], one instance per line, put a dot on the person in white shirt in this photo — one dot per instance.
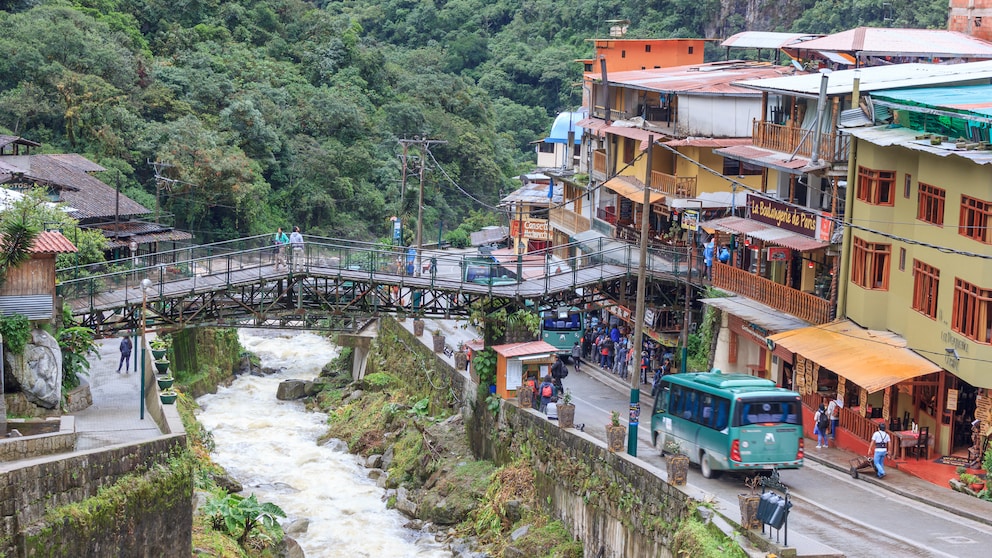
[296, 241]
[879, 443]
[552, 409]
[833, 411]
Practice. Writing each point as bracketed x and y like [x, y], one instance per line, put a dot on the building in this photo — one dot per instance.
[620, 55]
[971, 17]
[29, 289]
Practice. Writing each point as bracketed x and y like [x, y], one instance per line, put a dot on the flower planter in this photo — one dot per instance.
[616, 435]
[159, 354]
[418, 327]
[165, 383]
[438, 343]
[678, 469]
[525, 397]
[162, 366]
[168, 398]
[749, 510]
[566, 415]
[977, 487]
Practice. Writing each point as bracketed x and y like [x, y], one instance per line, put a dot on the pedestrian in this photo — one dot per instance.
[546, 391]
[708, 257]
[576, 355]
[296, 241]
[125, 355]
[279, 242]
[558, 371]
[552, 409]
[433, 267]
[833, 411]
[879, 444]
[821, 422]
[724, 255]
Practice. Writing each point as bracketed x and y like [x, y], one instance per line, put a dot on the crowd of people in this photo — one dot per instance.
[611, 347]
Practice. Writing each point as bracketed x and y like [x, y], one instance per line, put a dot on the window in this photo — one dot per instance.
[902, 259]
[930, 204]
[691, 49]
[870, 265]
[876, 187]
[623, 54]
[629, 150]
[647, 48]
[972, 311]
[736, 167]
[975, 219]
[926, 279]
[546, 147]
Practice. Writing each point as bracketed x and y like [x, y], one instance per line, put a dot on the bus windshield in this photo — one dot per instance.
[561, 321]
[768, 411]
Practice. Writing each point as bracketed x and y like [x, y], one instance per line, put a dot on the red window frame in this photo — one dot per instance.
[876, 187]
[930, 204]
[926, 281]
[975, 217]
[972, 312]
[870, 264]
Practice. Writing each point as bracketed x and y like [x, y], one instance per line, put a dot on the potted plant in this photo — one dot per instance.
[165, 382]
[162, 365]
[749, 503]
[678, 463]
[159, 348]
[461, 357]
[168, 396]
[566, 410]
[974, 482]
[438, 338]
[418, 327]
[616, 433]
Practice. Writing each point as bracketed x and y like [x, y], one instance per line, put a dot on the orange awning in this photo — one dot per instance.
[872, 359]
[632, 189]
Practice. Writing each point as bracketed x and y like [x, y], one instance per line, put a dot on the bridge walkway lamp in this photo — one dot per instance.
[146, 285]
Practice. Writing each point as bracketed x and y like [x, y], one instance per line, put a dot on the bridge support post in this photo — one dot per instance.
[360, 344]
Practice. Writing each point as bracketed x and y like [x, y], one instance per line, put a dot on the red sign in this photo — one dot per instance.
[535, 230]
[783, 216]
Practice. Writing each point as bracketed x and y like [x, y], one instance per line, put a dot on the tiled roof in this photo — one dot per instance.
[78, 161]
[52, 242]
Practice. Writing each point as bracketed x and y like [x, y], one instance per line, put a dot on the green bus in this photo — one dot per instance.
[729, 422]
[562, 328]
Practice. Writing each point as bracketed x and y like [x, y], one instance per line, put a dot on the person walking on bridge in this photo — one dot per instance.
[296, 241]
[279, 242]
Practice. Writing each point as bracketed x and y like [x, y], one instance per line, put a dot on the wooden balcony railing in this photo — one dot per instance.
[804, 306]
[599, 162]
[675, 186]
[833, 147]
[568, 220]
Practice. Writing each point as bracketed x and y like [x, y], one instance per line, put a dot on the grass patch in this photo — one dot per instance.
[703, 540]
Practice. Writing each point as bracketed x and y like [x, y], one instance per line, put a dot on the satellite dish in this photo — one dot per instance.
[798, 65]
[770, 344]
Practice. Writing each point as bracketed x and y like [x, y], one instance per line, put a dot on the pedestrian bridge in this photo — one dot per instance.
[338, 284]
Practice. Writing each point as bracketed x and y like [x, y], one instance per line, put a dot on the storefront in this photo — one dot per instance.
[516, 363]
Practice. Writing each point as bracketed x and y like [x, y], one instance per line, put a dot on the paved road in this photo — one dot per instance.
[857, 518]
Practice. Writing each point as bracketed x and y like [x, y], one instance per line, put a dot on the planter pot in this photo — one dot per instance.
[977, 487]
[461, 359]
[168, 398]
[418, 327]
[749, 510]
[678, 469]
[162, 366]
[438, 343]
[165, 383]
[615, 436]
[525, 397]
[566, 415]
[159, 354]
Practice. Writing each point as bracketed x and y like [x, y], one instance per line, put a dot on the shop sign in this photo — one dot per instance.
[690, 220]
[952, 400]
[534, 230]
[621, 312]
[648, 317]
[778, 214]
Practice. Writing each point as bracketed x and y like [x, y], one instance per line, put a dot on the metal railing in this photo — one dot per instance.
[804, 306]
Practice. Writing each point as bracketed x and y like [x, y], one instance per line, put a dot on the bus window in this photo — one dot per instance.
[689, 407]
[661, 402]
[721, 414]
[758, 412]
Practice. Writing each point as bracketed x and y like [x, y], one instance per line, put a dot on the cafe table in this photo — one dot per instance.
[908, 439]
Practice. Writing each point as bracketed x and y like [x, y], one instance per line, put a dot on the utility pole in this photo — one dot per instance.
[424, 145]
[635, 378]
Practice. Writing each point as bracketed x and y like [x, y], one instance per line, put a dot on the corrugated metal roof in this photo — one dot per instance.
[489, 235]
[750, 310]
[765, 157]
[886, 136]
[717, 78]
[169, 235]
[593, 125]
[768, 233]
[872, 359]
[512, 350]
[8, 140]
[52, 242]
[875, 78]
[765, 39]
[638, 134]
[883, 41]
[965, 98]
[708, 142]
[33, 307]
[534, 193]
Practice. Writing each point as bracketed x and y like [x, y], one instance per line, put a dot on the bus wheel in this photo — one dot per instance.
[707, 469]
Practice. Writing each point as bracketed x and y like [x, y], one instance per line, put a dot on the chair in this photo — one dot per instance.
[922, 443]
[895, 425]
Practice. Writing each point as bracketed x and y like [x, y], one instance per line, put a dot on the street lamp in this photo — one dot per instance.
[146, 284]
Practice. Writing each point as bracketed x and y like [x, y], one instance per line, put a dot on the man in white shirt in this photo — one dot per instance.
[879, 444]
[296, 241]
[833, 411]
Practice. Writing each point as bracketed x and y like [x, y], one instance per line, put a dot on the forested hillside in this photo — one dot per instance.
[282, 112]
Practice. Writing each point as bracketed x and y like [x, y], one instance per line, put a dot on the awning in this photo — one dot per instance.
[872, 359]
[632, 189]
[768, 233]
[593, 125]
[633, 133]
[765, 158]
[755, 312]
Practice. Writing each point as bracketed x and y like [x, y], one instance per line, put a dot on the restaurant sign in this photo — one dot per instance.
[778, 214]
[534, 230]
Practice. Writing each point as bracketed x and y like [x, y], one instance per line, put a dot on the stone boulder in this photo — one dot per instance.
[290, 390]
[37, 372]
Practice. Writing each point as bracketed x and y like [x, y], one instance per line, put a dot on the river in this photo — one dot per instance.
[270, 447]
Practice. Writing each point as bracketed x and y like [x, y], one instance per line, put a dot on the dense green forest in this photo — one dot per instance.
[283, 112]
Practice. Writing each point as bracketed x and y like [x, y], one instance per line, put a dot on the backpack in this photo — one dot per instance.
[547, 390]
[822, 421]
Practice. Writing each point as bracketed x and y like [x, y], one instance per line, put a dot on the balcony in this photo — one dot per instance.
[675, 186]
[787, 139]
[804, 306]
[568, 220]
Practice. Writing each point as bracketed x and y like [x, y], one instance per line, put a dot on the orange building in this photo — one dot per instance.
[643, 54]
[971, 17]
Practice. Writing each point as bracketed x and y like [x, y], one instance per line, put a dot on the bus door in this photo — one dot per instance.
[769, 431]
[686, 414]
